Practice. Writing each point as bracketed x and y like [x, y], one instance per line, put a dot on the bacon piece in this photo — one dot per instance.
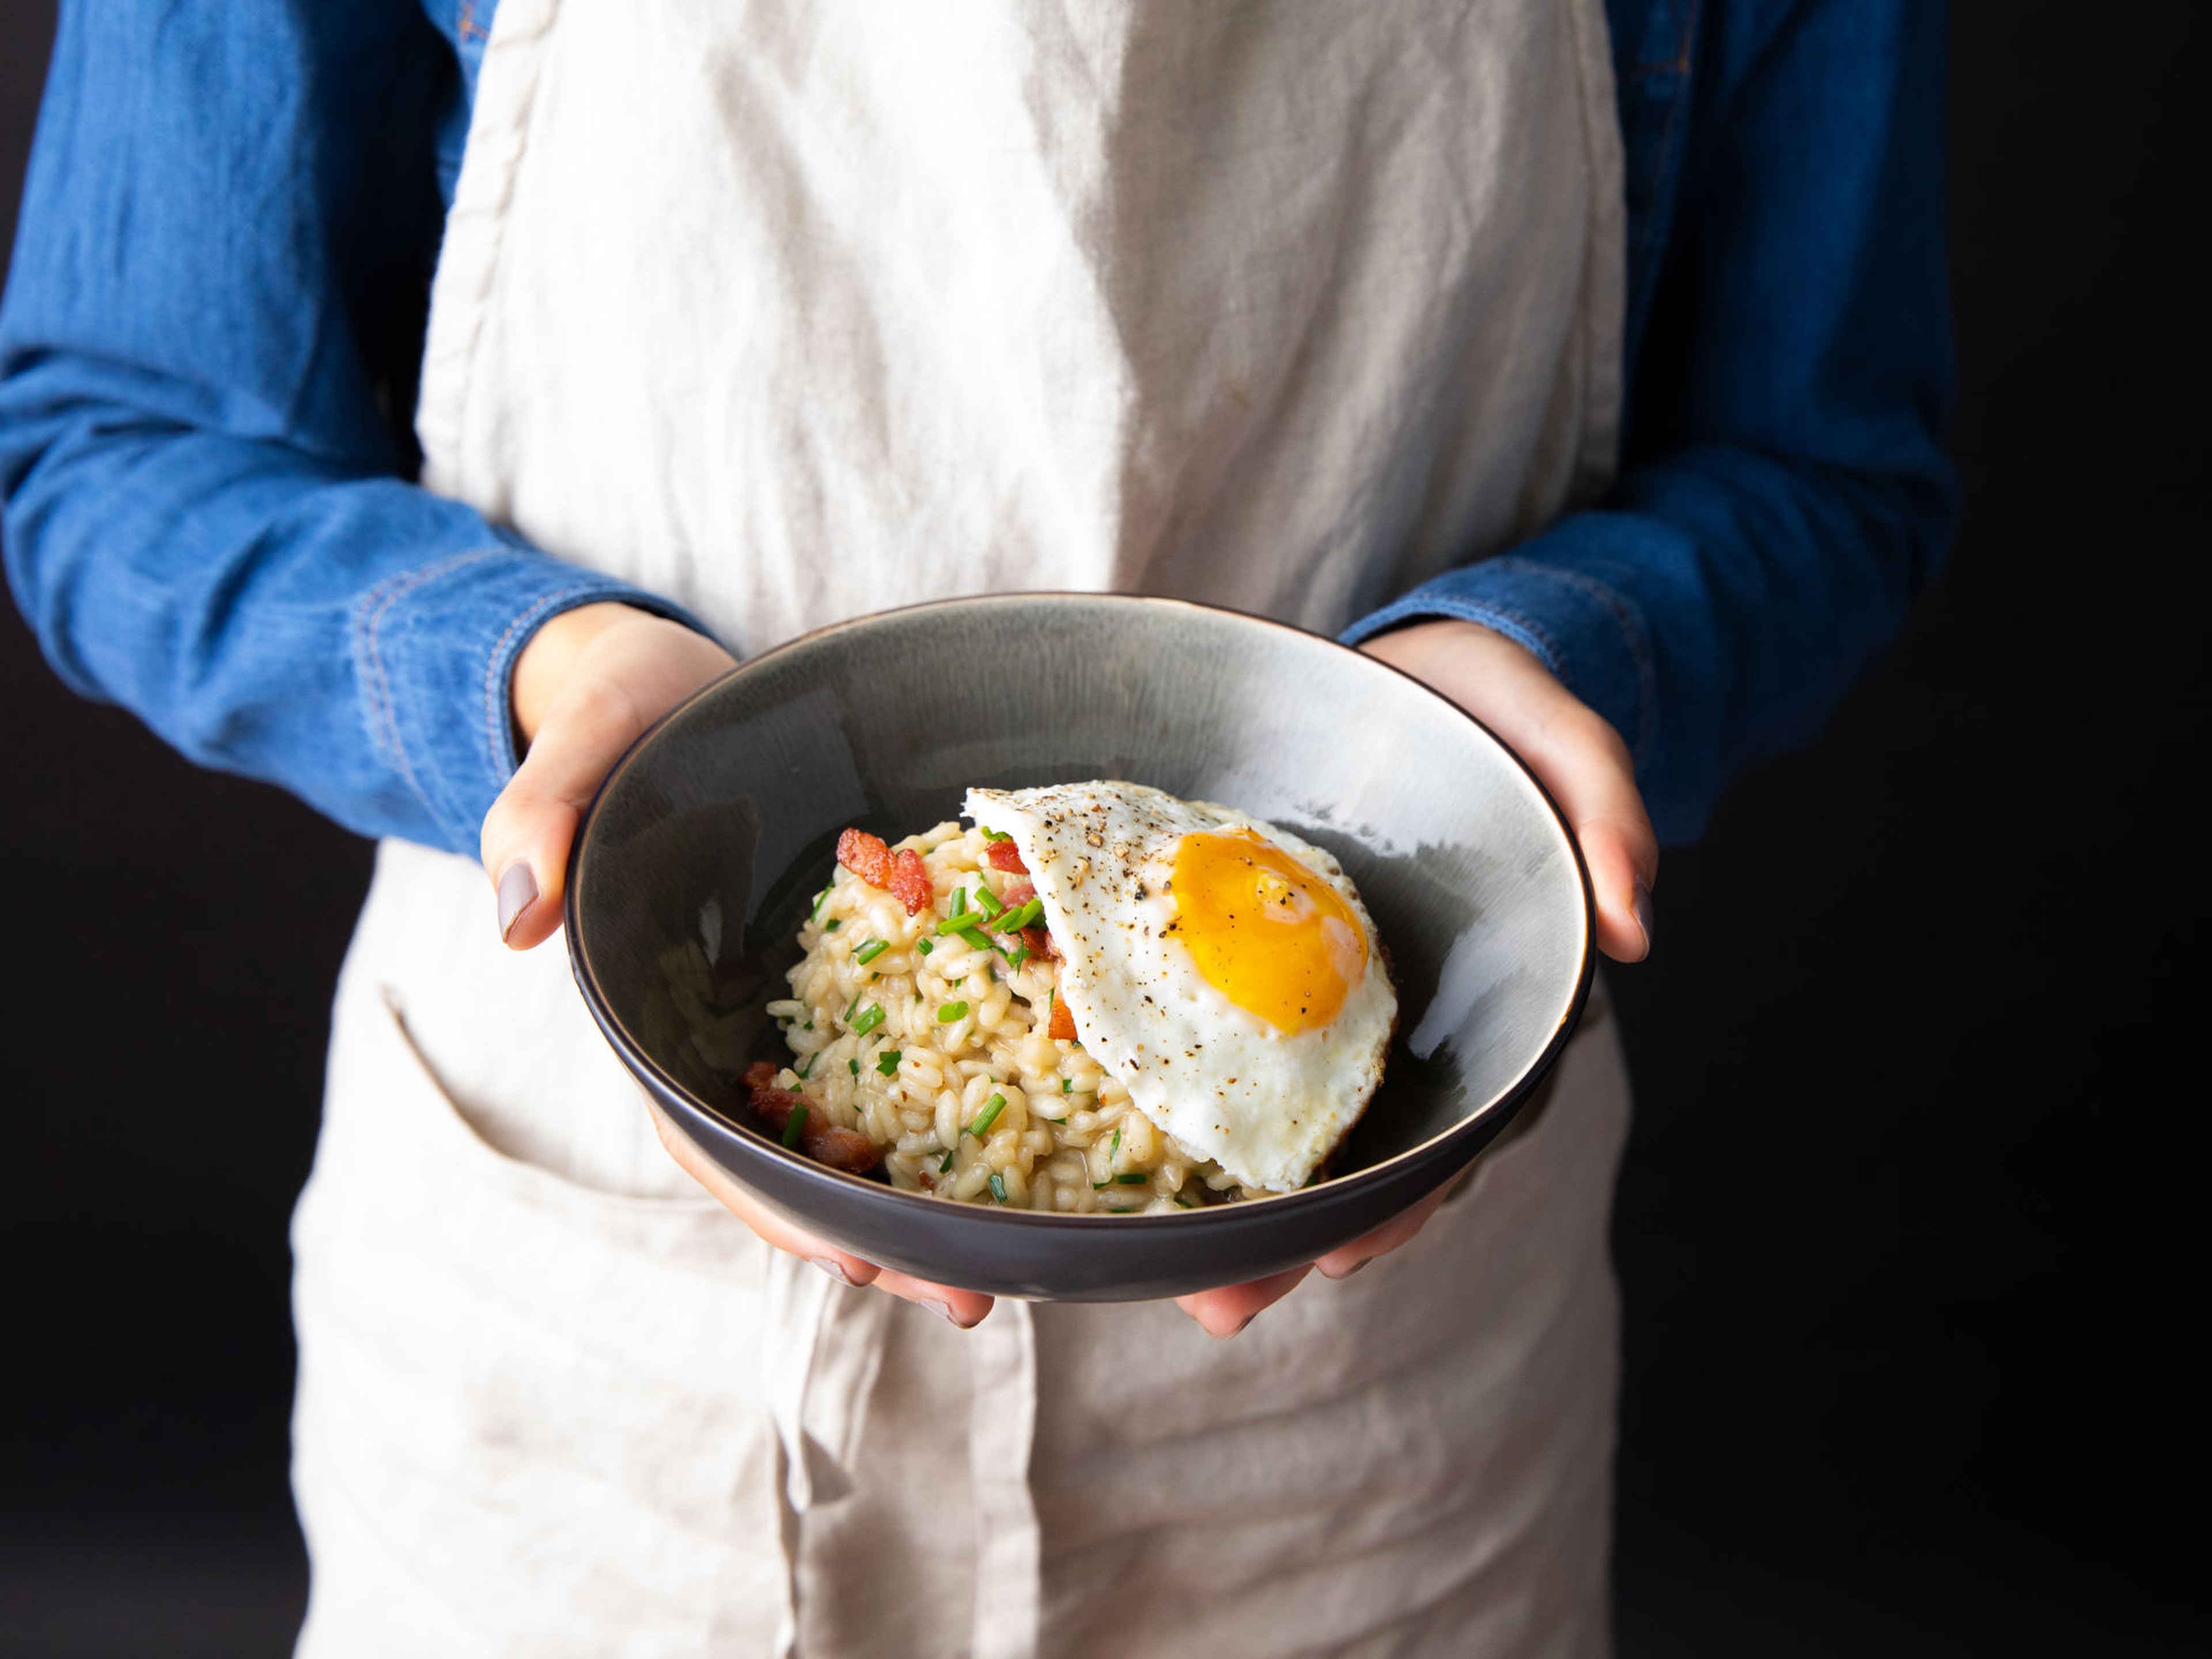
[1005, 855]
[1040, 944]
[774, 1107]
[841, 1149]
[909, 881]
[1018, 894]
[838, 1147]
[1062, 1027]
[866, 856]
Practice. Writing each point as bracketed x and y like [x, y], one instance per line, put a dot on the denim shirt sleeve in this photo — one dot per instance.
[207, 353]
[1784, 491]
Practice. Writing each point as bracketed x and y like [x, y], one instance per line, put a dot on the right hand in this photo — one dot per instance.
[585, 687]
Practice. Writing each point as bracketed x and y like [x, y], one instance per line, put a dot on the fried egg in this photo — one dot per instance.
[1224, 970]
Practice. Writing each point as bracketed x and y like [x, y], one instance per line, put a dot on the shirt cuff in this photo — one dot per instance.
[435, 649]
[1588, 632]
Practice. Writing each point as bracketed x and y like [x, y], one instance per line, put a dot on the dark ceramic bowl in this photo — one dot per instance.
[698, 860]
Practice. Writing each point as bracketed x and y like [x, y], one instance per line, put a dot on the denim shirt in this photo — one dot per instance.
[215, 318]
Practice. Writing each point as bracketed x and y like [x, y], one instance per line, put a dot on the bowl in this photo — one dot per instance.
[702, 851]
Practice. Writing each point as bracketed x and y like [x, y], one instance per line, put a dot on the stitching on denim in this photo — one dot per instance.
[492, 676]
[1679, 62]
[1642, 748]
[1490, 613]
[369, 618]
[1487, 613]
[1674, 106]
[367, 646]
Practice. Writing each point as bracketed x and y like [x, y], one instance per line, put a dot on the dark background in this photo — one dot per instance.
[1902, 1229]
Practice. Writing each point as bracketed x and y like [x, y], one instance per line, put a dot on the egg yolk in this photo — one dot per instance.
[1266, 931]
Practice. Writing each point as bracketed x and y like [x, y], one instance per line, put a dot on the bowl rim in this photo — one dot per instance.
[1481, 1125]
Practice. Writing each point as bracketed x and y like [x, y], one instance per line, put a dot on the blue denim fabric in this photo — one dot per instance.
[213, 323]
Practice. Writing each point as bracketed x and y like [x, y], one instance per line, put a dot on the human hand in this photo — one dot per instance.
[585, 687]
[1569, 747]
[1583, 762]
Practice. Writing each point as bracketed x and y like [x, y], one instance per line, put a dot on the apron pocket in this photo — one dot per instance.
[528, 1417]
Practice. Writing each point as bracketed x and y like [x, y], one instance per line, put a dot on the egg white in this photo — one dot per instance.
[1267, 1105]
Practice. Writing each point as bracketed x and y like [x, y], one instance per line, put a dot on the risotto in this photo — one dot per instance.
[930, 1034]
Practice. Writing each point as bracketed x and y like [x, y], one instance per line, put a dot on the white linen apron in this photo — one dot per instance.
[794, 311]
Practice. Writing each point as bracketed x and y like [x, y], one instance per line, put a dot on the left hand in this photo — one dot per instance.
[586, 683]
[1584, 762]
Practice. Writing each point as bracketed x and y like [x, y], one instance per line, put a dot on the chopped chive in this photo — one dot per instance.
[989, 906]
[801, 1070]
[988, 1117]
[821, 901]
[1096, 1186]
[958, 905]
[998, 1186]
[795, 1125]
[975, 939]
[850, 1006]
[888, 1061]
[993, 835]
[1130, 1178]
[958, 922]
[1185, 1202]
[1067, 1085]
[854, 1066]
[833, 924]
[1053, 1120]
[870, 1017]
[868, 952]
[950, 1011]
[1022, 918]
[945, 1162]
[926, 946]
[1116, 1146]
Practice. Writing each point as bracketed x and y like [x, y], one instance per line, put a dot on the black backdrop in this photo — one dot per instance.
[1902, 1230]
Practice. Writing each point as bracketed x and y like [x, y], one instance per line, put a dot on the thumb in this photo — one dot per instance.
[531, 826]
[1578, 756]
[627, 670]
[1586, 766]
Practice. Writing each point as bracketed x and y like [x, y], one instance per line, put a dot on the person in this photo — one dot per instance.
[1587, 361]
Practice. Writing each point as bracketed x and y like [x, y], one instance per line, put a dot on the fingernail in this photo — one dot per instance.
[1228, 1335]
[1644, 914]
[835, 1269]
[517, 891]
[944, 1311]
